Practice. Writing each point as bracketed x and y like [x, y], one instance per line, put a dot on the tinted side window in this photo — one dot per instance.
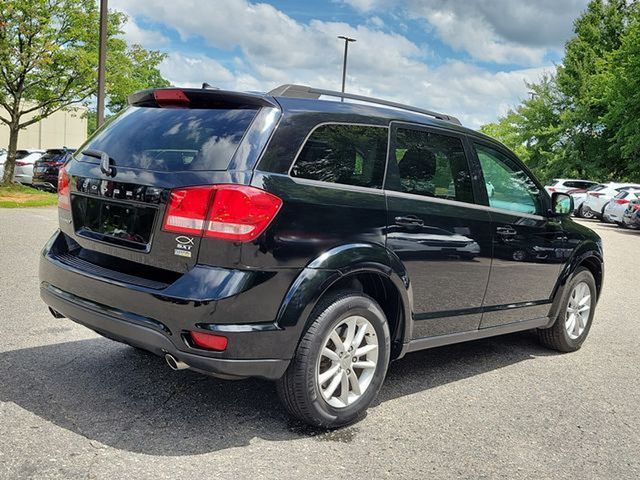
[508, 186]
[346, 154]
[431, 164]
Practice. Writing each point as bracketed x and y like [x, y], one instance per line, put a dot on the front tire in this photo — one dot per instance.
[575, 315]
[340, 363]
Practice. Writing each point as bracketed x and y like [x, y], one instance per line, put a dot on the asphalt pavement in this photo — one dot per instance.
[75, 405]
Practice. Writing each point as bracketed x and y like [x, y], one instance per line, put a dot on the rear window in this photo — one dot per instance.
[553, 182]
[20, 154]
[53, 156]
[173, 139]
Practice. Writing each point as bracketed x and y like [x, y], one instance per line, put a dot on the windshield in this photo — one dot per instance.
[172, 139]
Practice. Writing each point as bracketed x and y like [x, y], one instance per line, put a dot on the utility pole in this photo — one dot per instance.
[102, 56]
[344, 60]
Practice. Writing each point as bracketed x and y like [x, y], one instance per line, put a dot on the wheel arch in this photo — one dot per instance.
[367, 268]
[588, 256]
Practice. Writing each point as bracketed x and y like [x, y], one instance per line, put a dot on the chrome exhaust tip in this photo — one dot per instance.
[174, 363]
[55, 313]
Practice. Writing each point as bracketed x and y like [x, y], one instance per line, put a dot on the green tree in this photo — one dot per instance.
[582, 79]
[533, 130]
[623, 98]
[49, 57]
[580, 121]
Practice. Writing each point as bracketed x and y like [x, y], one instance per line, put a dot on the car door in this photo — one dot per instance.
[528, 244]
[440, 235]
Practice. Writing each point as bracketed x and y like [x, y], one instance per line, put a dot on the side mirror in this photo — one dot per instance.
[561, 204]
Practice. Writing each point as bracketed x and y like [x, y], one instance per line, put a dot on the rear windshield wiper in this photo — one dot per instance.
[105, 161]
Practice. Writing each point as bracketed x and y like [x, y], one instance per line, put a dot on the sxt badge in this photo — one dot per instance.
[183, 246]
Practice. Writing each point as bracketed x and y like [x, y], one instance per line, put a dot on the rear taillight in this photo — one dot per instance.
[187, 210]
[231, 212]
[21, 164]
[209, 341]
[621, 201]
[64, 199]
[551, 189]
[576, 190]
[595, 194]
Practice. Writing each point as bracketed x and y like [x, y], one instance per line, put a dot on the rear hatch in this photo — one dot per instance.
[46, 167]
[116, 190]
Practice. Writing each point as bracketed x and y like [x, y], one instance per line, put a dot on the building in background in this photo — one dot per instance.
[65, 128]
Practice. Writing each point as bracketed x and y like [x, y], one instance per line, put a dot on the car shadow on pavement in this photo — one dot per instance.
[131, 400]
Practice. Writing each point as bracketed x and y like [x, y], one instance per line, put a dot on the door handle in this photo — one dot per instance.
[506, 231]
[409, 221]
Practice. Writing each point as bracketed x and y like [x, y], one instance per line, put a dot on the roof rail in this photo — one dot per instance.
[303, 91]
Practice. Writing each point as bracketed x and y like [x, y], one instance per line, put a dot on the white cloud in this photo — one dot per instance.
[502, 31]
[192, 71]
[134, 34]
[277, 49]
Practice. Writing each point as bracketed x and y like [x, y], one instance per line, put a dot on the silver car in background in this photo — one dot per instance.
[599, 197]
[614, 210]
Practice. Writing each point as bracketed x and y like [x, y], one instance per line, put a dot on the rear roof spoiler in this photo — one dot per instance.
[202, 98]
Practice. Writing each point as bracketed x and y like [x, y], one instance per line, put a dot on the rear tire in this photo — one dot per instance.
[305, 387]
[584, 212]
[567, 334]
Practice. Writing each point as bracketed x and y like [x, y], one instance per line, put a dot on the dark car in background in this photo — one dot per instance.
[46, 168]
[310, 242]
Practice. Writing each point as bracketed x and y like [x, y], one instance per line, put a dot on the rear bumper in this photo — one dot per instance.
[157, 321]
[45, 185]
[102, 320]
[631, 219]
[48, 182]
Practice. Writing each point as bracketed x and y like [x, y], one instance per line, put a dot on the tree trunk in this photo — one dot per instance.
[10, 162]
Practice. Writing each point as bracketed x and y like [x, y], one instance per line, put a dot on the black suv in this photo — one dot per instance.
[47, 168]
[310, 241]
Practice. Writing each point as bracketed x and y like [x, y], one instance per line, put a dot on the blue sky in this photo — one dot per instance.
[470, 59]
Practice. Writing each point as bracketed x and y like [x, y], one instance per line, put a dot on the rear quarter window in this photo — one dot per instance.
[344, 154]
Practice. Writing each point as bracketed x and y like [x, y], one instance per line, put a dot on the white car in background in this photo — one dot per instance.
[3, 157]
[23, 170]
[578, 199]
[574, 187]
[599, 197]
[569, 185]
[614, 210]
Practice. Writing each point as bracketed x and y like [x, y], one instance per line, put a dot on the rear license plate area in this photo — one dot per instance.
[125, 224]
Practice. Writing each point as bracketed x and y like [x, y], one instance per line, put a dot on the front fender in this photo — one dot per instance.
[589, 249]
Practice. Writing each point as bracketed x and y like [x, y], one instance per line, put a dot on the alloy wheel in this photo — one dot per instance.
[347, 362]
[578, 310]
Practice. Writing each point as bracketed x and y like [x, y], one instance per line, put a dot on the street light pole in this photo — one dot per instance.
[102, 56]
[344, 60]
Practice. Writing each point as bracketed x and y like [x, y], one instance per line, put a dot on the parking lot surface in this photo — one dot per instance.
[75, 405]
